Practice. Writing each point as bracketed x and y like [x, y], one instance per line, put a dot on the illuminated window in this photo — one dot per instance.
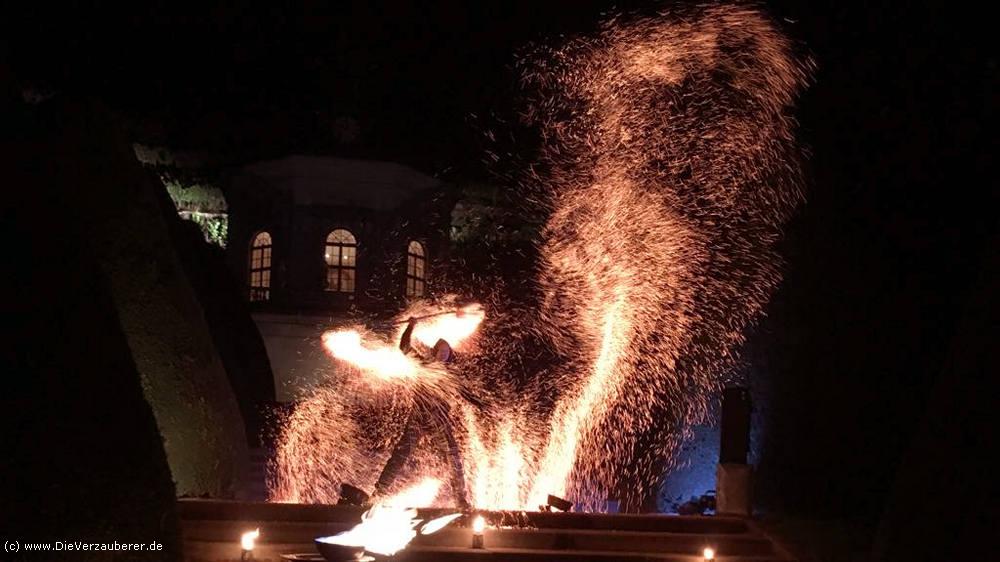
[416, 269]
[341, 261]
[260, 267]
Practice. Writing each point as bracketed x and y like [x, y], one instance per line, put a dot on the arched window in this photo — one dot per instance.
[260, 267]
[341, 261]
[416, 269]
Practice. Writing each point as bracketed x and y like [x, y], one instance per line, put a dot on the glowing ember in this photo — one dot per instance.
[389, 526]
[573, 416]
[248, 538]
[670, 168]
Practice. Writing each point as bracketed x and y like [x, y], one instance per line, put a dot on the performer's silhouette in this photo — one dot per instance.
[421, 418]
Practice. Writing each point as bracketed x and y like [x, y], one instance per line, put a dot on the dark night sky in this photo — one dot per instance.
[899, 124]
[272, 79]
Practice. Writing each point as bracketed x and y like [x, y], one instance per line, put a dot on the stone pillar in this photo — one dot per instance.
[733, 475]
[733, 487]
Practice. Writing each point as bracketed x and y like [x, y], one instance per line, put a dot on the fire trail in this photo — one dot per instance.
[669, 168]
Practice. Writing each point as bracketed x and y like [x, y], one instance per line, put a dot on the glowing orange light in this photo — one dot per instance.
[435, 525]
[383, 361]
[454, 328]
[709, 554]
[390, 525]
[478, 526]
[248, 539]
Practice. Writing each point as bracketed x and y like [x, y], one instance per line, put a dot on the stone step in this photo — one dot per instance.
[422, 554]
[443, 554]
[210, 552]
[602, 540]
[211, 531]
[221, 510]
[303, 533]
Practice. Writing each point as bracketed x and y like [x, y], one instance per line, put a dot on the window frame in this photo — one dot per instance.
[416, 280]
[340, 268]
[260, 275]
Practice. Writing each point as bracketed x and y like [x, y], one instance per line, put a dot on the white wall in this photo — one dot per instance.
[296, 351]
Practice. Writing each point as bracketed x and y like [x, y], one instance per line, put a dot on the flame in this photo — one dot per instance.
[391, 524]
[454, 328]
[709, 554]
[418, 495]
[385, 361]
[247, 539]
[478, 525]
[435, 525]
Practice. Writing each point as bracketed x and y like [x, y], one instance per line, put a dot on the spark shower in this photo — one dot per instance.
[668, 169]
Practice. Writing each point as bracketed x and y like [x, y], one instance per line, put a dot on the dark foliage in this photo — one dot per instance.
[227, 313]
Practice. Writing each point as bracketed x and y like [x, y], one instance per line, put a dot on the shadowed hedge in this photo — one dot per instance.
[82, 457]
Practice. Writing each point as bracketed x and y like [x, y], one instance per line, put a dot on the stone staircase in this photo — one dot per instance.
[211, 531]
[256, 484]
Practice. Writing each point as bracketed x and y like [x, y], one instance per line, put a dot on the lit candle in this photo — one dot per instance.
[709, 554]
[246, 543]
[478, 525]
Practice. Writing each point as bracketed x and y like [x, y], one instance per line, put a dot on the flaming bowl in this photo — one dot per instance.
[339, 552]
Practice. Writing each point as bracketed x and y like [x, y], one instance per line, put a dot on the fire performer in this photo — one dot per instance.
[421, 417]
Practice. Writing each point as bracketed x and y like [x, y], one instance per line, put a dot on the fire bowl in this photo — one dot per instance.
[339, 552]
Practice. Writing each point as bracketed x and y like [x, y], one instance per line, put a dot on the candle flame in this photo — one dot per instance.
[247, 539]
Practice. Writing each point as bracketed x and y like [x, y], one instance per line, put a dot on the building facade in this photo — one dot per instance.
[323, 242]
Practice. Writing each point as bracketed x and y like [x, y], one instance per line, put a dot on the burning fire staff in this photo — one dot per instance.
[421, 417]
